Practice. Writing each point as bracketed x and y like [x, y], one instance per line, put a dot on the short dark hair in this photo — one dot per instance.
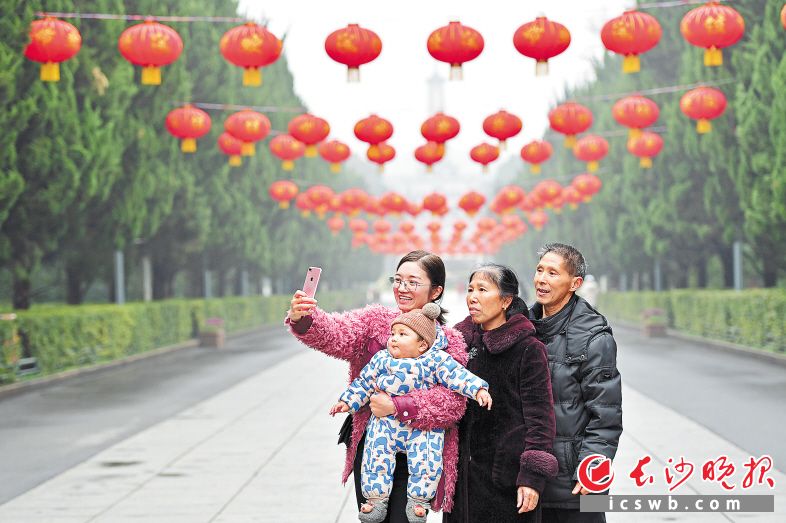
[435, 269]
[574, 260]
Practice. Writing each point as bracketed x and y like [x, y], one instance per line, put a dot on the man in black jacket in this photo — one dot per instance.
[584, 378]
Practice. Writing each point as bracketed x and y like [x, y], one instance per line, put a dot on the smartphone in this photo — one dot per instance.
[312, 280]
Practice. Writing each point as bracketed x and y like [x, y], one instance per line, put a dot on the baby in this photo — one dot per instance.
[413, 360]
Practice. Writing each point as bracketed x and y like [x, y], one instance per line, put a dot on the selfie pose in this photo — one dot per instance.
[505, 457]
[356, 336]
[414, 359]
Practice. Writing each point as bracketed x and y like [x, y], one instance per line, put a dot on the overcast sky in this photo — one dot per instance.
[395, 85]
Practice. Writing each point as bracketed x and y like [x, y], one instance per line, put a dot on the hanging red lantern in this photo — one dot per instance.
[353, 200]
[783, 16]
[334, 152]
[320, 197]
[52, 41]
[510, 196]
[535, 153]
[630, 35]
[283, 191]
[635, 112]
[309, 130]
[304, 205]
[413, 209]
[373, 130]
[587, 185]
[703, 104]
[353, 46]
[335, 224]
[381, 154]
[232, 147]
[393, 202]
[541, 40]
[406, 227]
[287, 149]
[484, 154]
[358, 225]
[433, 202]
[471, 202]
[486, 224]
[591, 149]
[459, 226]
[455, 44]
[250, 46]
[547, 190]
[188, 123]
[434, 227]
[538, 219]
[249, 127]
[570, 119]
[646, 147]
[429, 154]
[572, 196]
[440, 128]
[373, 207]
[713, 27]
[382, 226]
[151, 45]
[502, 125]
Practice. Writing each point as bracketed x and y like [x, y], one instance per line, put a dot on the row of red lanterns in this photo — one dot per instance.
[251, 46]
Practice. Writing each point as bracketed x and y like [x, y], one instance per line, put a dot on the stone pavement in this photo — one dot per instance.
[265, 451]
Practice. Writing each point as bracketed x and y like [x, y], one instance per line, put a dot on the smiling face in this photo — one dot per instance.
[413, 298]
[405, 342]
[485, 302]
[554, 284]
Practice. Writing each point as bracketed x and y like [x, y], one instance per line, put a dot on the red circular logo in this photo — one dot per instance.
[595, 473]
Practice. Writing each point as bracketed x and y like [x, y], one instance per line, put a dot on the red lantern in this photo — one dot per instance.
[510, 196]
[393, 202]
[713, 27]
[591, 149]
[287, 149]
[353, 200]
[309, 130]
[635, 112]
[381, 154]
[703, 104]
[536, 152]
[541, 39]
[334, 152]
[250, 46]
[434, 227]
[382, 227]
[547, 190]
[587, 185]
[486, 224]
[150, 45]
[247, 126]
[335, 224]
[434, 202]
[783, 16]
[358, 225]
[373, 130]
[188, 123]
[303, 203]
[429, 154]
[320, 197]
[440, 128]
[538, 219]
[630, 35]
[406, 227]
[353, 46]
[52, 41]
[459, 226]
[502, 125]
[646, 147]
[283, 191]
[413, 209]
[471, 202]
[484, 154]
[455, 44]
[572, 196]
[232, 147]
[570, 119]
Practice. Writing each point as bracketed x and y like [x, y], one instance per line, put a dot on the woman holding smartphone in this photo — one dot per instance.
[355, 336]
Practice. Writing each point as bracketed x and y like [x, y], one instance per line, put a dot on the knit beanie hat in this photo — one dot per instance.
[422, 321]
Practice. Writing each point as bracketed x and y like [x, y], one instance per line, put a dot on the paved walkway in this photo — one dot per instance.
[264, 451]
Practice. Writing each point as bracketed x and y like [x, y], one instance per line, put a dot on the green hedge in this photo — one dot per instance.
[755, 318]
[65, 337]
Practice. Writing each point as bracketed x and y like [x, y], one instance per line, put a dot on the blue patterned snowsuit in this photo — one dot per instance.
[386, 436]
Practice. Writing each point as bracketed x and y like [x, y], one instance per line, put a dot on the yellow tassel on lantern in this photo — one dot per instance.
[573, 206]
[713, 57]
[235, 160]
[631, 64]
[151, 75]
[305, 214]
[502, 145]
[455, 72]
[50, 72]
[284, 204]
[541, 68]
[287, 165]
[534, 168]
[188, 145]
[570, 141]
[645, 163]
[335, 168]
[429, 169]
[381, 169]
[252, 76]
[311, 151]
[703, 126]
[248, 149]
[592, 166]
[353, 74]
[634, 133]
[485, 169]
[441, 149]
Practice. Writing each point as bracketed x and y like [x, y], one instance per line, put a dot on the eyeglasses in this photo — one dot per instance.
[408, 285]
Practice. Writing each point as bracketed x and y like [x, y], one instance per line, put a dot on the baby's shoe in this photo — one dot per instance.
[414, 507]
[379, 509]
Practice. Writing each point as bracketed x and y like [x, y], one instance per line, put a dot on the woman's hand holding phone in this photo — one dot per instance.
[300, 306]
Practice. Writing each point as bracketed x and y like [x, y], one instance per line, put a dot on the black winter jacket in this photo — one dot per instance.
[587, 389]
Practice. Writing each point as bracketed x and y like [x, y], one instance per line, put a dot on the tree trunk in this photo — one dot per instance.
[221, 276]
[727, 260]
[701, 274]
[769, 272]
[21, 291]
[75, 292]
